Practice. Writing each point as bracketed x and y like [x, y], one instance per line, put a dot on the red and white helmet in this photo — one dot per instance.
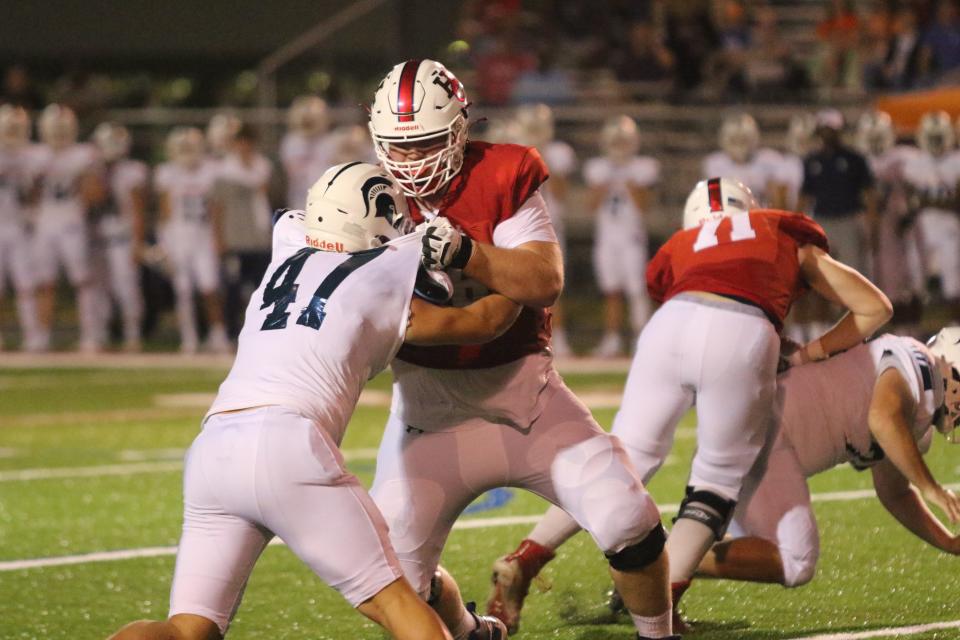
[420, 101]
[113, 140]
[739, 136]
[14, 127]
[945, 347]
[58, 126]
[716, 198]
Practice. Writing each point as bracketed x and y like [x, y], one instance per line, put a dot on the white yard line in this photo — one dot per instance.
[886, 632]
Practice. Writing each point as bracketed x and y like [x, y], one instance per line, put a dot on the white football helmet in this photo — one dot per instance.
[800, 134]
[717, 198]
[935, 133]
[185, 147]
[14, 127]
[355, 206]
[945, 347]
[420, 104]
[221, 130]
[620, 138]
[875, 133]
[535, 122]
[112, 139]
[58, 126]
[308, 115]
[739, 136]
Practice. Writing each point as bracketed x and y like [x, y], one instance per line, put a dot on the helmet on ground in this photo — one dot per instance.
[945, 347]
[935, 133]
[221, 131]
[308, 115]
[739, 136]
[420, 105]
[112, 139]
[536, 124]
[355, 206]
[716, 198]
[185, 146]
[14, 127]
[58, 126]
[620, 137]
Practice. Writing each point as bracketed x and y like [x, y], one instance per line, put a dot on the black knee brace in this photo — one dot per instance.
[639, 555]
[718, 514]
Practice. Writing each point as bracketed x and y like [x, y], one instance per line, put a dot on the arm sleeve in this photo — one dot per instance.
[804, 230]
[659, 274]
[531, 223]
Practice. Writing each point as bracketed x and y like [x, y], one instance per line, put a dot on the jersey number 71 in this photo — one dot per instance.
[740, 230]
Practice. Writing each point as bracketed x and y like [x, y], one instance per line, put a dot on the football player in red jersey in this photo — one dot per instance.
[726, 282]
[465, 420]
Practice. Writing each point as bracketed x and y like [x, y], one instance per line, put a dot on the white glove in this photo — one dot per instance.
[443, 245]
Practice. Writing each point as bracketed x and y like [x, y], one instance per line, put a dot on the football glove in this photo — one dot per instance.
[444, 246]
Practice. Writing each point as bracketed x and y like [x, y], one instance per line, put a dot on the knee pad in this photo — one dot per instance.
[708, 508]
[641, 554]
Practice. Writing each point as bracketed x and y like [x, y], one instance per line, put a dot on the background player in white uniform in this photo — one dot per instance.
[798, 143]
[932, 175]
[741, 158]
[188, 235]
[621, 193]
[536, 129]
[70, 182]
[267, 461]
[306, 150]
[872, 406]
[16, 158]
[120, 227]
[220, 133]
[896, 261]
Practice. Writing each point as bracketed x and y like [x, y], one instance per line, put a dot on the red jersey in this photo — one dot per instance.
[494, 181]
[752, 256]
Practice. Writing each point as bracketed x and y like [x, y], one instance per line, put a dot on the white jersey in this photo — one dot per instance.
[790, 175]
[123, 178]
[934, 177]
[618, 218]
[764, 168]
[826, 404]
[187, 191]
[15, 183]
[319, 326]
[304, 161]
[61, 172]
[562, 162]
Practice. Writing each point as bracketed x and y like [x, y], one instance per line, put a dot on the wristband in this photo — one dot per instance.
[463, 255]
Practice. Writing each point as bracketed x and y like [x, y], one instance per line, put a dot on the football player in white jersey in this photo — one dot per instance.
[535, 128]
[874, 406]
[189, 220]
[70, 182]
[798, 142]
[120, 225]
[932, 176]
[16, 157]
[742, 158]
[306, 150]
[897, 268]
[621, 192]
[334, 306]
[221, 132]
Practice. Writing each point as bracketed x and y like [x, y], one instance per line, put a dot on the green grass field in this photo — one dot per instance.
[89, 462]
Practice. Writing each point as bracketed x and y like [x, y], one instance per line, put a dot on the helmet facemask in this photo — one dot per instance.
[427, 175]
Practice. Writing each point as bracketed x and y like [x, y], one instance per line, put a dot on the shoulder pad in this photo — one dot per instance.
[433, 286]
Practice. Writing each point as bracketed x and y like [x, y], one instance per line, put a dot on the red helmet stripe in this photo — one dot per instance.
[408, 80]
[713, 192]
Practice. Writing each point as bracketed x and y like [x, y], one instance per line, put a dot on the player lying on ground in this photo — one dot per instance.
[496, 414]
[727, 280]
[875, 407]
[330, 314]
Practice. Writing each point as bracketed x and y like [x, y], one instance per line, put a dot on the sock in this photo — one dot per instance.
[677, 589]
[553, 529]
[660, 626]
[531, 556]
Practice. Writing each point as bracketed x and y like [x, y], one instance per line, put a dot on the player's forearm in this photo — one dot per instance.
[911, 511]
[524, 276]
[899, 446]
[853, 329]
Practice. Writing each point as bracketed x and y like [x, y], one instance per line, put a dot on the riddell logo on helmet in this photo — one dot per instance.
[411, 127]
[323, 245]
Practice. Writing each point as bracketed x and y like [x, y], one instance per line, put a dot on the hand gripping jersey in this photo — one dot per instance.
[748, 256]
[319, 326]
[494, 181]
[826, 403]
[763, 168]
[123, 177]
